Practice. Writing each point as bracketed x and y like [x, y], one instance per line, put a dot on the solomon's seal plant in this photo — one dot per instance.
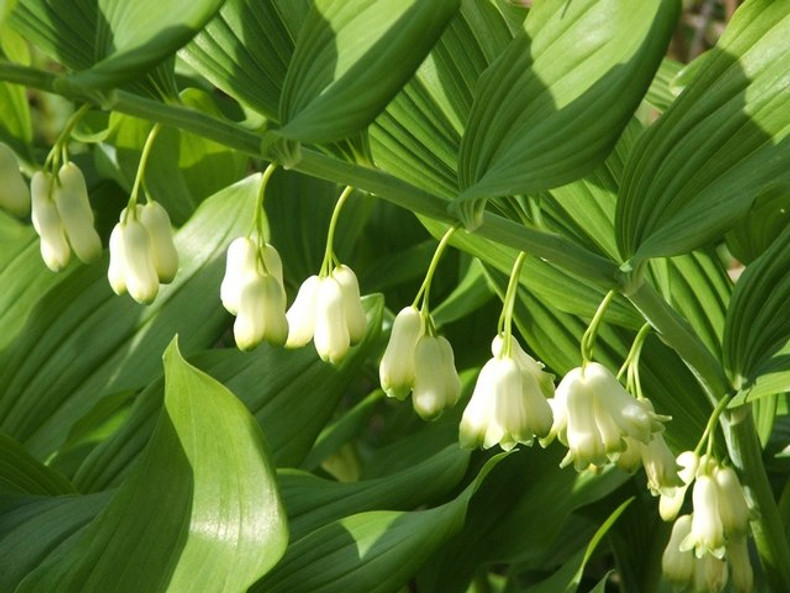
[236, 237]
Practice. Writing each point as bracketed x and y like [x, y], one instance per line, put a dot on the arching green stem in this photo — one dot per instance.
[138, 178]
[509, 303]
[425, 288]
[329, 253]
[59, 149]
[588, 339]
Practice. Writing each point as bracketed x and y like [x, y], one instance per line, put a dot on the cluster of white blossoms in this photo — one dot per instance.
[62, 216]
[715, 532]
[142, 252]
[253, 291]
[14, 193]
[419, 362]
[596, 418]
[509, 403]
[328, 310]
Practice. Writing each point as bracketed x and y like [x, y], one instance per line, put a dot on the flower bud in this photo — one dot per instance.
[733, 510]
[710, 574]
[707, 533]
[140, 275]
[116, 273]
[677, 565]
[301, 315]
[396, 371]
[741, 566]
[165, 257]
[55, 249]
[261, 314]
[14, 193]
[355, 316]
[332, 339]
[436, 382]
[239, 262]
[71, 199]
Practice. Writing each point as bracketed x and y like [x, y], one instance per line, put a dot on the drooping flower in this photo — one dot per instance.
[74, 209]
[508, 405]
[329, 311]
[55, 250]
[14, 193]
[252, 289]
[740, 565]
[672, 498]
[677, 565]
[436, 382]
[396, 371]
[593, 415]
[660, 466]
[707, 532]
[733, 509]
[142, 256]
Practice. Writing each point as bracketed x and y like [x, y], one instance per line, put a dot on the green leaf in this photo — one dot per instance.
[375, 551]
[16, 126]
[45, 387]
[207, 491]
[722, 143]
[761, 225]
[291, 393]
[418, 135]
[757, 325]
[525, 133]
[351, 58]
[21, 474]
[313, 502]
[567, 578]
[132, 37]
[23, 275]
[245, 49]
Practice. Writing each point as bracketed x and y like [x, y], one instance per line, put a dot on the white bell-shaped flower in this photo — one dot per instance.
[594, 414]
[710, 574]
[707, 532]
[740, 565]
[157, 222]
[137, 261]
[733, 509]
[672, 498]
[116, 273]
[508, 405]
[436, 382]
[14, 193]
[261, 312]
[396, 371]
[241, 260]
[356, 320]
[55, 250]
[71, 198]
[660, 466]
[329, 311]
[331, 336]
[274, 264]
[301, 314]
[677, 565]
[630, 460]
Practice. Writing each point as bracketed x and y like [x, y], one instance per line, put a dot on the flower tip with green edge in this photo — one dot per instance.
[14, 192]
[437, 385]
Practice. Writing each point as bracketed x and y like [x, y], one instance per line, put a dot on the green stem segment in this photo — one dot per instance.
[140, 176]
[425, 289]
[509, 303]
[329, 253]
[588, 339]
[257, 224]
[60, 149]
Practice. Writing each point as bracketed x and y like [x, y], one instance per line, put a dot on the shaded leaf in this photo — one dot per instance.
[21, 474]
[351, 59]
[722, 143]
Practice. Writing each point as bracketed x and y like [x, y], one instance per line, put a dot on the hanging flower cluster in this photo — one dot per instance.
[252, 289]
[14, 193]
[508, 404]
[142, 252]
[328, 310]
[715, 532]
[417, 360]
[420, 362]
